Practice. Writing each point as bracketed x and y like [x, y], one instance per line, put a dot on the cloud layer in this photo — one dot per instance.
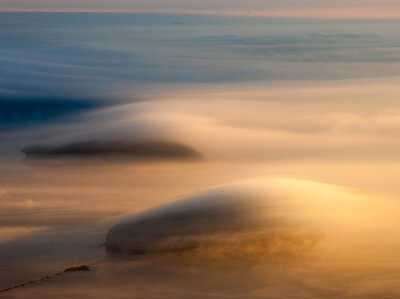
[45, 56]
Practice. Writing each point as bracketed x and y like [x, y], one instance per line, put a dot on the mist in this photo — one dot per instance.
[199, 155]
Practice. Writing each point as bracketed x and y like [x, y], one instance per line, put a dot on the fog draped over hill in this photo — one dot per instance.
[294, 124]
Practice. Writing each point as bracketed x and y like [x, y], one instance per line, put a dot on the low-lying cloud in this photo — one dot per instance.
[260, 217]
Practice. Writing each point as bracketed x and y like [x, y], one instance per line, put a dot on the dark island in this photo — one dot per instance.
[106, 148]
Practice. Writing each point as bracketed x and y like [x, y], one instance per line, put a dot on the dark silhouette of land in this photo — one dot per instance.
[68, 270]
[101, 148]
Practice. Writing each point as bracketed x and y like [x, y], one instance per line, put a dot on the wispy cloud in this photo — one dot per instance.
[50, 58]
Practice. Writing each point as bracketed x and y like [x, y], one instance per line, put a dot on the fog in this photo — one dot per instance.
[198, 156]
[291, 182]
[257, 218]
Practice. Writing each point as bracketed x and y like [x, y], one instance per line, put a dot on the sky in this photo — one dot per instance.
[286, 8]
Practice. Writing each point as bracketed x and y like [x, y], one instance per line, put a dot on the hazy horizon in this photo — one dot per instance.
[330, 9]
